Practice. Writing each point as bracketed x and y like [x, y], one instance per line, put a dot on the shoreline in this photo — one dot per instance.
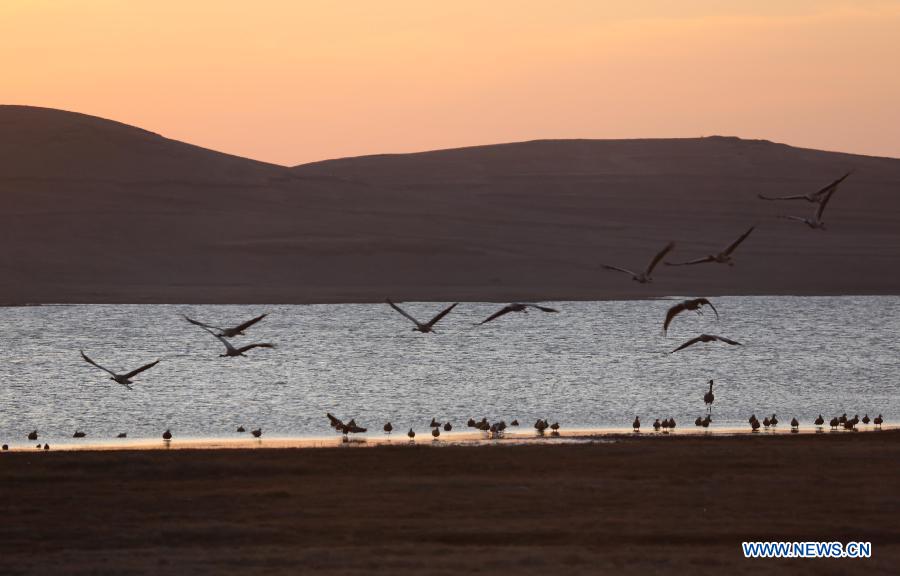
[456, 439]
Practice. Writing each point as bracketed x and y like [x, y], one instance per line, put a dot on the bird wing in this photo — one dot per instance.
[690, 262]
[797, 218]
[833, 185]
[141, 369]
[672, 313]
[497, 314]
[617, 269]
[797, 197]
[659, 257]
[400, 310]
[727, 341]
[690, 342]
[252, 346]
[542, 308]
[441, 314]
[821, 209]
[89, 361]
[248, 323]
[200, 324]
[737, 242]
[706, 302]
[221, 339]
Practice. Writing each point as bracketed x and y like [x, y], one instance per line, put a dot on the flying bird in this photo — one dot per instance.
[516, 307]
[694, 304]
[228, 332]
[644, 277]
[816, 222]
[427, 326]
[723, 257]
[705, 338]
[231, 351]
[815, 197]
[123, 379]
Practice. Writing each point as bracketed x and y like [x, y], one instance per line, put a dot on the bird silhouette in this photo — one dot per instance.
[425, 327]
[78, 434]
[723, 257]
[694, 304]
[388, 428]
[257, 433]
[411, 434]
[708, 398]
[645, 276]
[814, 197]
[167, 435]
[231, 351]
[516, 307]
[636, 425]
[227, 332]
[123, 379]
[706, 338]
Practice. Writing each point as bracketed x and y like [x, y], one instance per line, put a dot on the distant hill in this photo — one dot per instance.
[98, 211]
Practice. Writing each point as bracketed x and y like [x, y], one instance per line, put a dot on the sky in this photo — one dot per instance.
[297, 81]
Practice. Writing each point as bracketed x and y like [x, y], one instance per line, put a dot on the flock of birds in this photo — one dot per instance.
[819, 198]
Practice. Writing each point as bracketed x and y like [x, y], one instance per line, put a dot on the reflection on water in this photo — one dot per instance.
[594, 364]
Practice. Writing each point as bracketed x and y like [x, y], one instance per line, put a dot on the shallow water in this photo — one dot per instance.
[594, 364]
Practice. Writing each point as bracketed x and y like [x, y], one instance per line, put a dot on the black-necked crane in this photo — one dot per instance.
[694, 304]
[123, 379]
[227, 332]
[423, 327]
[706, 338]
[723, 257]
[516, 307]
[645, 276]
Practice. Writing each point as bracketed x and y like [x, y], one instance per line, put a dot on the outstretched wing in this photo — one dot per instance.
[141, 369]
[441, 314]
[706, 302]
[727, 341]
[737, 242]
[89, 361]
[821, 209]
[252, 346]
[248, 323]
[690, 262]
[672, 313]
[221, 339]
[797, 197]
[690, 342]
[200, 324]
[542, 308]
[495, 315]
[617, 269]
[833, 185]
[659, 257]
[400, 310]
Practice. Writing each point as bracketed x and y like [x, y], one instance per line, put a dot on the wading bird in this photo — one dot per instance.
[705, 338]
[231, 351]
[817, 196]
[644, 277]
[516, 307]
[123, 379]
[695, 304]
[708, 398]
[723, 257]
[427, 326]
[228, 332]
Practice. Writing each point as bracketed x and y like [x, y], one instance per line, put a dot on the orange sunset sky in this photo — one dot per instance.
[298, 81]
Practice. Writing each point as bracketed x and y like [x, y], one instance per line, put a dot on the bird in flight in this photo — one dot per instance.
[816, 222]
[516, 307]
[228, 332]
[123, 379]
[231, 351]
[816, 197]
[705, 338]
[694, 304]
[723, 257]
[644, 277]
[427, 326]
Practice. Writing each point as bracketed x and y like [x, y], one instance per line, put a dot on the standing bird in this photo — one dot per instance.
[708, 398]
[657, 425]
[644, 277]
[434, 423]
[448, 426]
[33, 435]
[773, 421]
[816, 222]
[388, 428]
[435, 432]
[878, 421]
[819, 422]
[766, 422]
[695, 304]
[228, 332]
[555, 427]
[723, 257]
[834, 423]
[514, 423]
[411, 434]
[427, 326]
[816, 197]
[706, 421]
[795, 425]
[241, 429]
[698, 422]
[257, 433]
[515, 307]
[167, 435]
[866, 420]
[123, 379]
[672, 424]
[706, 338]
[231, 351]
[636, 425]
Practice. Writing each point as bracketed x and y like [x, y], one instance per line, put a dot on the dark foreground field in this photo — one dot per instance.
[636, 506]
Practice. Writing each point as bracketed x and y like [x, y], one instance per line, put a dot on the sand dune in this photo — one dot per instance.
[97, 211]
